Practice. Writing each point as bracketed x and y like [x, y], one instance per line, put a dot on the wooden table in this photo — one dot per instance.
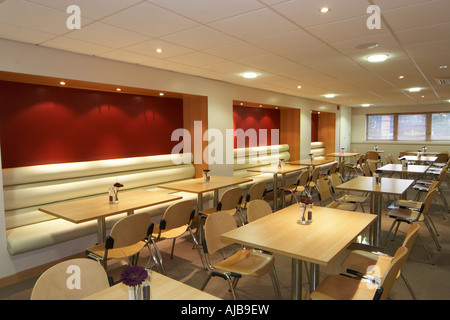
[199, 187]
[418, 159]
[388, 186]
[162, 288]
[312, 164]
[275, 170]
[319, 243]
[99, 208]
[404, 172]
[341, 155]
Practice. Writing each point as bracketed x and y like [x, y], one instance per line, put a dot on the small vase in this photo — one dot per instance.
[135, 293]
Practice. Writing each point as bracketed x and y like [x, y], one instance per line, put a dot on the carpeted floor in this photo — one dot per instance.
[429, 282]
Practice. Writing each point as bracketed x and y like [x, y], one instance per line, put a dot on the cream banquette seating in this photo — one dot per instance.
[28, 188]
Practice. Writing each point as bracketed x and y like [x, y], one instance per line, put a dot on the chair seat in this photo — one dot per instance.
[405, 215]
[169, 234]
[352, 198]
[247, 262]
[367, 262]
[118, 253]
[210, 211]
[337, 287]
[342, 205]
[293, 187]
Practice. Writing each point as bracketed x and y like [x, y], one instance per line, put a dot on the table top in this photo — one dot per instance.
[307, 162]
[287, 168]
[79, 211]
[162, 288]
[198, 186]
[320, 242]
[400, 168]
[416, 158]
[340, 154]
[387, 186]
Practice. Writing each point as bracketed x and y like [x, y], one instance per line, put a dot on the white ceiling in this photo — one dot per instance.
[288, 43]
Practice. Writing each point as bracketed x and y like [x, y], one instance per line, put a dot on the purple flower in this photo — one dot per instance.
[133, 276]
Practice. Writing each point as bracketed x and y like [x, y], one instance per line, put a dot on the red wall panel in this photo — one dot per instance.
[43, 124]
[256, 118]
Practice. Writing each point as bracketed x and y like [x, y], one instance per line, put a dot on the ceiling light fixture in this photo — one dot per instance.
[299, 87]
[401, 77]
[367, 46]
[329, 96]
[325, 10]
[158, 50]
[250, 75]
[414, 89]
[161, 94]
[377, 58]
[118, 89]
[366, 105]
[62, 83]
[443, 67]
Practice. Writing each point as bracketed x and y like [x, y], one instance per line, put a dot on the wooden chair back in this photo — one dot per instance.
[216, 224]
[73, 279]
[315, 174]
[256, 191]
[324, 190]
[389, 277]
[178, 214]
[427, 201]
[303, 178]
[366, 170]
[130, 230]
[332, 169]
[230, 199]
[372, 155]
[257, 209]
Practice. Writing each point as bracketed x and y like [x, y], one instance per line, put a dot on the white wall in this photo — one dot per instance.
[30, 59]
[358, 131]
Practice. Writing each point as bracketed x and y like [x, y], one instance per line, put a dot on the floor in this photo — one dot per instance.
[429, 282]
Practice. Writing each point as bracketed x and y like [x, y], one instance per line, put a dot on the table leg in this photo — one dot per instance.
[314, 277]
[297, 276]
[101, 230]
[375, 208]
[275, 192]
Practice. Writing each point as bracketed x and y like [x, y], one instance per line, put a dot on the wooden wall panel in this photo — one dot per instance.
[290, 131]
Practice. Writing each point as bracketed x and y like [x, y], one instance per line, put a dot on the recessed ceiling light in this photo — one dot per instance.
[443, 67]
[161, 94]
[401, 77]
[329, 96]
[366, 105]
[299, 87]
[377, 58]
[414, 89]
[62, 83]
[325, 10]
[118, 89]
[159, 50]
[250, 75]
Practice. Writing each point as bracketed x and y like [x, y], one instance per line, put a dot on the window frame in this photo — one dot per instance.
[429, 116]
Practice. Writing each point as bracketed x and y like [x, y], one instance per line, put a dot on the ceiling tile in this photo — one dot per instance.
[149, 20]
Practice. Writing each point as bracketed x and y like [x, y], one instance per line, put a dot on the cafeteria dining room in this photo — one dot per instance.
[126, 124]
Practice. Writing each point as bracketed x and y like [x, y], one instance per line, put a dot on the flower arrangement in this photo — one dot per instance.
[306, 203]
[133, 276]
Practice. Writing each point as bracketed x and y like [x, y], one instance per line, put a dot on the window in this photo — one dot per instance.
[412, 127]
[440, 126]
[409, 127]
[380, 127]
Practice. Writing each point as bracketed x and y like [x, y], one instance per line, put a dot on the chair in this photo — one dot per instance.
[229, 202]
[340, 287]
[242, 263]
[390, 159]
[424, 185]
[336, 181]
[311, 185]
[356, 166]
[359, 262]
[366, 170]
[341, 170]
[300, 186]
[257, 209]
[127, 238]
[72, 279]
[325, 196]
[410, 216]
[176, 221]
[331, 170]
[256, 191]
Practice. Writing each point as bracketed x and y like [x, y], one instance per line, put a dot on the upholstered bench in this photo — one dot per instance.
[28, 188]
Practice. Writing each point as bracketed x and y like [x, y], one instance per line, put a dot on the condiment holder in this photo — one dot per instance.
[306, 209]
